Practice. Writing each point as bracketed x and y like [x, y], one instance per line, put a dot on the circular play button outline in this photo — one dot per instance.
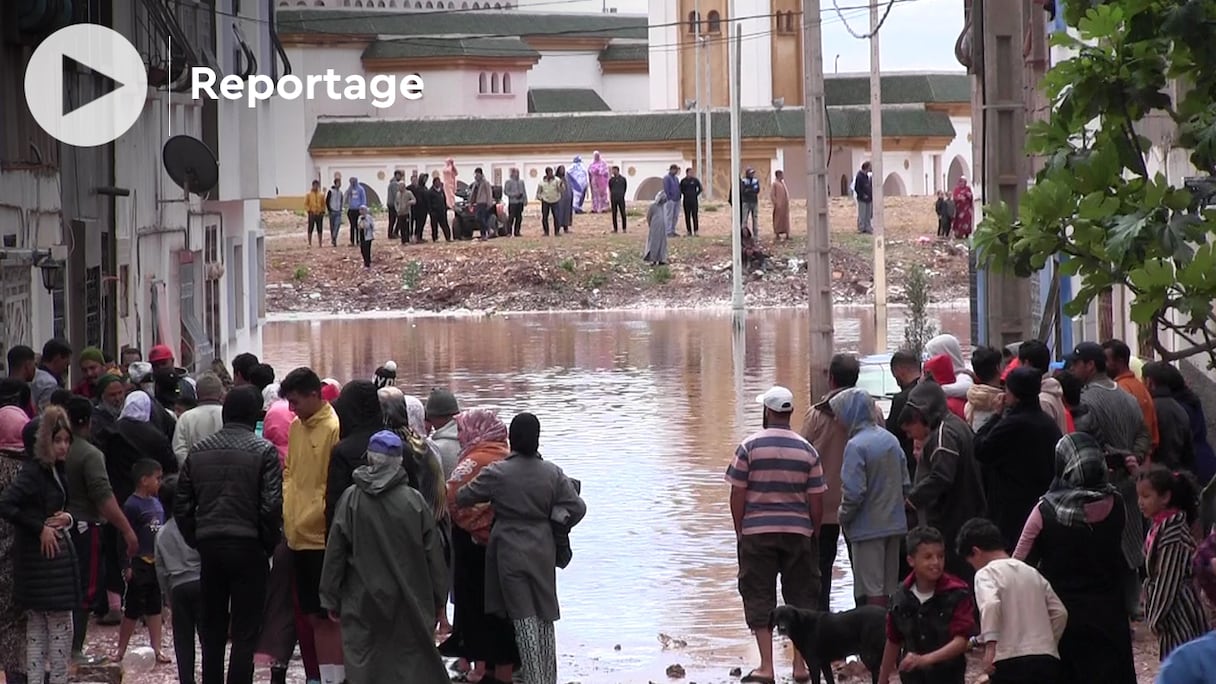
[98, 121]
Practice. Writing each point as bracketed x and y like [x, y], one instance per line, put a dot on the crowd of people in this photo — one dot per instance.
[263, 515]
[1031, 509]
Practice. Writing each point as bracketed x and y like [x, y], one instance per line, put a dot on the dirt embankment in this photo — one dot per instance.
[593, 268]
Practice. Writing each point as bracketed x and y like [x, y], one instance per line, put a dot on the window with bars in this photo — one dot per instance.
[92, 306]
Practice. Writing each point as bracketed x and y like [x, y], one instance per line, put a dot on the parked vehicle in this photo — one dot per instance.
[465, 225]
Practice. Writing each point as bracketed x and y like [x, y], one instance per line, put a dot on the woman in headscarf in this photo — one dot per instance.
[384, 574]
[535, 506]
[963, 206]
[111, 394]
[13, 420]
[449, 181]
[599, 172]
[134, 437]
[655, 253]
[948, 345]
[277, 421]
[563, 214]
[478, 634]
[577, 176]
[1075, 538]
[421, 461]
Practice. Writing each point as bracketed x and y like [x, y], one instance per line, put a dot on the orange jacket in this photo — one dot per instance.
[1128, 382]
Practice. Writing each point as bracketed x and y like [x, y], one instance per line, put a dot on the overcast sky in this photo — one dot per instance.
[918, 35]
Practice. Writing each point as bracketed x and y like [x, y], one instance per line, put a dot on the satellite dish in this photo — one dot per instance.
[191, 164]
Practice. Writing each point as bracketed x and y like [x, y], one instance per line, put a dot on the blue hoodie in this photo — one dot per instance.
[874, 476]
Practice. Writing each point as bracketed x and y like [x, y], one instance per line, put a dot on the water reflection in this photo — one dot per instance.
[645, 408]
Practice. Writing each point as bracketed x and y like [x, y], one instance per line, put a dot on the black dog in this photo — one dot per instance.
[822, 638]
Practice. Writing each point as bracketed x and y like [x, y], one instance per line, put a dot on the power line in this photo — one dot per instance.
[710, 39]
[872, 33]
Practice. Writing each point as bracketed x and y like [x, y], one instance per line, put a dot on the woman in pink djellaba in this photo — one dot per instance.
[449, 181]
[599, 184]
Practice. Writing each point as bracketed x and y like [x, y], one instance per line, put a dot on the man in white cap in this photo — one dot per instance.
[776, 502]
[384, 575]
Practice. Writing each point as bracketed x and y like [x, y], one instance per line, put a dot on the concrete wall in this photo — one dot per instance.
[566, 69]
[626, 92]
[664, 61]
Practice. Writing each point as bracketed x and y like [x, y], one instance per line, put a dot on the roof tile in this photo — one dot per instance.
[565, 100]
[503, 23]
[449, 47]
[908, 88]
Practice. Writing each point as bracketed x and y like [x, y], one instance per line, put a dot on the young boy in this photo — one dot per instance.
[178, 569]
[931, 618]
[1021, 618]
[143, 598]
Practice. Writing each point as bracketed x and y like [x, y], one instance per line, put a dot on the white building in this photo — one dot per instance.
[139, 264]
[626, 76]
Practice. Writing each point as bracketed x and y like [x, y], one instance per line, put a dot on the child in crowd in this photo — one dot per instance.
[143, 598]
[1170, 500]
[1195, 662]
[932, 616]
[1021, 618]
[941, 369]
[178, 569]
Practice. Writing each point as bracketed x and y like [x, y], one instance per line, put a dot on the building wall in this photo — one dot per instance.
[566, 69]
[626, 92]
[30, 214]
[786, 50]
[665, 62]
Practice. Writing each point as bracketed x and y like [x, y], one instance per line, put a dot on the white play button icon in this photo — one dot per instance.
[76, 121]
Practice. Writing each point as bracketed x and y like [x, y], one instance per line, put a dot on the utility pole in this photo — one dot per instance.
[880, 243]
[709, 118]
[736, 57]
[818, 240]
[1005, 306]
[697, 104]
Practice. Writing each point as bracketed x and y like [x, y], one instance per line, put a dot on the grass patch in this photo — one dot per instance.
[567, 265]
[596, 280]
[661, 275]
[411, 275]
[634, 212]
[299, 274]
[710, 207]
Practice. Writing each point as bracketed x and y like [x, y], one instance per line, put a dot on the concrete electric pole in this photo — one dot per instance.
[709, 119]
[880, 245]
[818, 240]
[698, 103]
[736, 160]
[1004, 303]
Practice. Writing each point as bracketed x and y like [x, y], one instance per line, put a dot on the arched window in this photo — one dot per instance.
[392, 3]
[430, 5]
[451, 5]
[498, 5]
[464, 5]
[506, 83]
[714, 20]
[477, 5]
[494, 82]
[358, 3]
[692, 23]
[483, 84]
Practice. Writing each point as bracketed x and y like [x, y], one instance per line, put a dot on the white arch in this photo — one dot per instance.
[893, 186]
[506, 83]
[648, 189]
[958, 169]
[483, 85]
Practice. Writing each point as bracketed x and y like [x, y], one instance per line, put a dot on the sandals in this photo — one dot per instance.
[754, 678]
[162, 659]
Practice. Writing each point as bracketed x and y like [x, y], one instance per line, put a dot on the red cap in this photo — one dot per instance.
[160, 352]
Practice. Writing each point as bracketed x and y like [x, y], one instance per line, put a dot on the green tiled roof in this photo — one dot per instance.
[644, 127]
[565, 100]
[899, 89]
[625, 52]
[497, 23]
[449, 47]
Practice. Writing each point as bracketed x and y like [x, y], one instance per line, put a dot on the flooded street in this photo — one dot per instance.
[643, 407]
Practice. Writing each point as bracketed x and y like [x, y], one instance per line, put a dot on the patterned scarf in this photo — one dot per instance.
[1081, 479]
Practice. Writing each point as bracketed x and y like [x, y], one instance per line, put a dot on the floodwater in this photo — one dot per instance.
[645, 408]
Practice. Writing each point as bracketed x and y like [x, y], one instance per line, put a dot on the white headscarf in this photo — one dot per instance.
[138, 407]
[417, 414]
[270, 395]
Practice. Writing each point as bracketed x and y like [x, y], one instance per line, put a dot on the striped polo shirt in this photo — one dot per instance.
[780, 470]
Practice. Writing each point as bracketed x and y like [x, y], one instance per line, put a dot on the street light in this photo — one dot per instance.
[52, 272]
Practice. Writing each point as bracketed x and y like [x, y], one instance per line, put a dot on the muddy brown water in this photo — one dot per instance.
[646, 409]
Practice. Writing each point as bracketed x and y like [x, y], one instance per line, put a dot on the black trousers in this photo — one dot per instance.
[515, 218]
[548, 209]
[618, 206]
[1035, 669]
[419, 224]
[392, 222]
[403, 227]
[365, 247]
[186, 602]
[691, 223]
[829, 540]
[233, 587]
[315, 222]
[89, 559]
[439, 219]
[353, 216]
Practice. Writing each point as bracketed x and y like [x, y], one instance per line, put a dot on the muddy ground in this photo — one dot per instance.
[592, 268]
[666, 665]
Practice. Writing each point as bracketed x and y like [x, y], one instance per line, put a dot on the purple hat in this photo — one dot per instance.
[385, 442]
